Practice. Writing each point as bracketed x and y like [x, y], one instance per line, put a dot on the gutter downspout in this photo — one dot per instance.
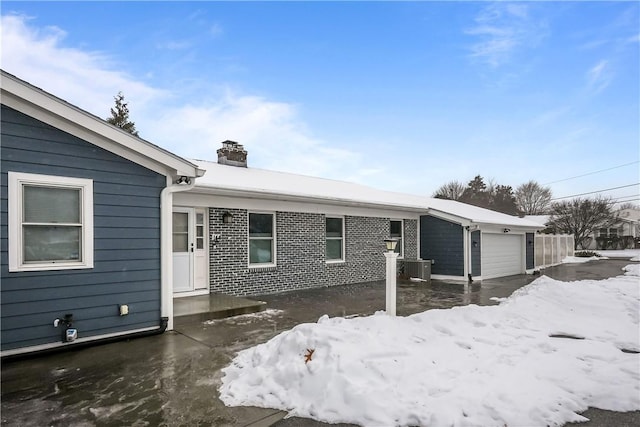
[166, 247]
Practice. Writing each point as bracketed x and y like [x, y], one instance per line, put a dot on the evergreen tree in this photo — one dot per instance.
[120, 115]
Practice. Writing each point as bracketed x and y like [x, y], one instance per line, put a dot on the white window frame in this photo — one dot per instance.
[343, 238]
[272, 238]
[16, 181]
[401, 246]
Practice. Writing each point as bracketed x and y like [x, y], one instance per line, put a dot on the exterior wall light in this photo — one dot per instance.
[391, 244]
[227, 218]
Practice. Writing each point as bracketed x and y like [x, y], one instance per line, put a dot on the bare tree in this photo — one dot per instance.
[532, 198]
[581, 217]
[451, 190]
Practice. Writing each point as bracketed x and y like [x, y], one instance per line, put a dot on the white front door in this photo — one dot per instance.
[190, 272]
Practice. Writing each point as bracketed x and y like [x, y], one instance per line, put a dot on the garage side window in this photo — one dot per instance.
[50, 222]
[261, 239]
[335, 239]
[396, 230]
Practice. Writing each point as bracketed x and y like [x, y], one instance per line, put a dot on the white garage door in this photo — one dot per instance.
[502, 255]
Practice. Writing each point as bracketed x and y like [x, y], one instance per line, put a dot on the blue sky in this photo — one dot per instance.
[404, 96]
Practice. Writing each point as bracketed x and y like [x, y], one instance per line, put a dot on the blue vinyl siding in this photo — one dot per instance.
[530, 251]
[476, 254]
[126, 240]
[441, 241]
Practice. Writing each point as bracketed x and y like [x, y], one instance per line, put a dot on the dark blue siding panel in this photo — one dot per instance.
[126, 240]
[441, 241]
[530, 254]
[476, 255]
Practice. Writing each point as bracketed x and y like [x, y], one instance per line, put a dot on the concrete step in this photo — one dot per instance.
[189, 310]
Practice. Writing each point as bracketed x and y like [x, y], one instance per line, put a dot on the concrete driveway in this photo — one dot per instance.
[172, 379]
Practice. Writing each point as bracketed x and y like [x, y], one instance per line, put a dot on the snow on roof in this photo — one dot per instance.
[293, 186]
[540, 219]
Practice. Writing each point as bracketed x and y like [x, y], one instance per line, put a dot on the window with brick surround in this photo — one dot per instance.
[261, 239]
[395, 232]
[335, 239]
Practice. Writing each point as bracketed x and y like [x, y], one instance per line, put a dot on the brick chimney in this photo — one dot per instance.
[232, 154]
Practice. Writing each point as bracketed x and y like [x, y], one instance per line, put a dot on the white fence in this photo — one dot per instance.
[550, 249]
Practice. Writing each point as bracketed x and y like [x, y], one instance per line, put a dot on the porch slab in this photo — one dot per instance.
[197, 309]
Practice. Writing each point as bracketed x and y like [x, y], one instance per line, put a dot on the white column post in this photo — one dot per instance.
[391, 282]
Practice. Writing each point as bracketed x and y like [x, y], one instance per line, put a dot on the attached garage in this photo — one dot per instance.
[502, 255]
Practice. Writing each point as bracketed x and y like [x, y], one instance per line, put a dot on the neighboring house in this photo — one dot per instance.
[83, 209]
[108, 229]
[622, 234]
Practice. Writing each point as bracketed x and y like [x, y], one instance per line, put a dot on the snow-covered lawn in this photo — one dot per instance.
[624, 253]
[510, 364]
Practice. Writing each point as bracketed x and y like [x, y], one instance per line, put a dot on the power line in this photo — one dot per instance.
[625, 201]
[625, 197]
[592, 173]
[598, 191]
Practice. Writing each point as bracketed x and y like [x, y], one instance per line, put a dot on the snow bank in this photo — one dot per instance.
[635, 258]
[632, 270]
[471, 365]
[580, 259]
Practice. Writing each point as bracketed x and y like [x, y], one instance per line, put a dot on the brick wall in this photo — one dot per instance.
[300, 253]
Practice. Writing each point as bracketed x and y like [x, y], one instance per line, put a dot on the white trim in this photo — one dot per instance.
[344, 240]
[50, 346]
[274, 246]
[191, 293]
[448, 217]
[243, 201]
[16, 181]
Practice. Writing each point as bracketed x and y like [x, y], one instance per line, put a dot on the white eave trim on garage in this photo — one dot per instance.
[448, 217]
[49, 109]
[513, 225]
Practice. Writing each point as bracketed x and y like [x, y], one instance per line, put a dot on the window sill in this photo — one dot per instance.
[49, 267]
[336, 262]
[259, 268]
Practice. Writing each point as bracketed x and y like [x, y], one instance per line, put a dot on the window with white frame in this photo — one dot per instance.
[261, 239]
[50, 222]
[335, 239]
[395, 232]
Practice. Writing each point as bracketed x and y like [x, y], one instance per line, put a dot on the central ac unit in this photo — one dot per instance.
[418, 269]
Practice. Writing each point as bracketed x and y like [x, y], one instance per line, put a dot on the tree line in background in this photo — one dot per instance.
[582, 217]
[528, 199]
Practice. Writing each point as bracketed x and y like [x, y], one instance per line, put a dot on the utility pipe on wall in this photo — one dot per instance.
[166, 245]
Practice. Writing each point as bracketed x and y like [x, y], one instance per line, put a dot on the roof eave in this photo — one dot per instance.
[28, 99]
[272, 195]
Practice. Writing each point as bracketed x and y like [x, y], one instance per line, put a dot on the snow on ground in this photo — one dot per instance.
[465, 366]
[632, 270]
[580, 259]
[624, 253]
